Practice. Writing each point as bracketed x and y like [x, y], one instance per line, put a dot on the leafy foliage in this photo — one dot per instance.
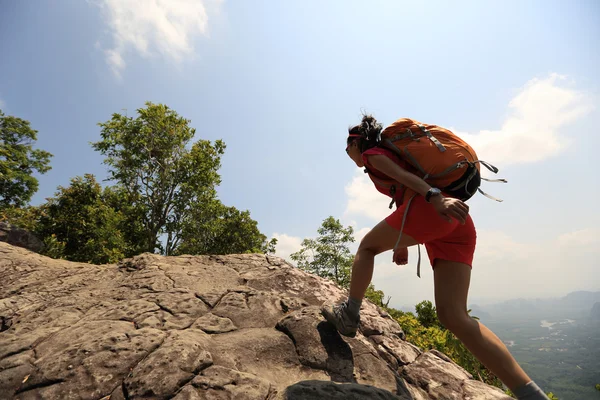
[426, 314]
[163, 173]
[23, 217]
[130, 226]
[78, 224]
[164, 197]
[328, 256]
[213, 228]
[550, 395]
[376, 296]
[18, 161]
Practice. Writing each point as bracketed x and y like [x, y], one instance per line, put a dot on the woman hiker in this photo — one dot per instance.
[443, 224]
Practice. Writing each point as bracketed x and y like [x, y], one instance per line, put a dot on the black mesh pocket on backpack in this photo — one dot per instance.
[466, 186]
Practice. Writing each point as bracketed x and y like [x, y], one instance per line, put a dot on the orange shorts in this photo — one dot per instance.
[442, 239]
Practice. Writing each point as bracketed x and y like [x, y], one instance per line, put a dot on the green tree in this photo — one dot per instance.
[130, 225]
[426, 314]
[432, 337]
[213, 228]
[18, 161]
[78, 224]
[328, 255]
[376, 296]
[23, 217]
[164, 174]
[270, 246]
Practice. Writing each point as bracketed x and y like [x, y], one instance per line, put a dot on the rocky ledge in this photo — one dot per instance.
[200, 327]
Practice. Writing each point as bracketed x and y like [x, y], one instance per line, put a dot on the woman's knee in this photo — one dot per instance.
[382, 238]
[369, 247]
[454, 318]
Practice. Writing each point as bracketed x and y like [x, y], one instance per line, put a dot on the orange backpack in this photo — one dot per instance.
[440, 157]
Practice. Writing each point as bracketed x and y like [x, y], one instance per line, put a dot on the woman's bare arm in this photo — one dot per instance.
[387, 166]
[446, 207]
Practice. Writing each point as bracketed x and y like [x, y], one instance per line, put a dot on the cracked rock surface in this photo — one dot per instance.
[200, 327]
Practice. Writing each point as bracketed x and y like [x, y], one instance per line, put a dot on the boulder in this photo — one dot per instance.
[20, 237]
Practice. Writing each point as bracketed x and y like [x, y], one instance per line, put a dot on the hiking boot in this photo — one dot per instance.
[338, 316]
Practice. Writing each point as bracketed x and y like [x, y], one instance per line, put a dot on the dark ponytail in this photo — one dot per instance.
[368, 132]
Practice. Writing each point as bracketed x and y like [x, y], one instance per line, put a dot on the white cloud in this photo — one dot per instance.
[585, 237]
[286, 245]
[535, 269]
[115, 60]
[360, 234]
[364, 199]
[534, 129]
[148, 26]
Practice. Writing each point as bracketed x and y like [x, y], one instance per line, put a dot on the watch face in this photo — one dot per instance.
[432, 192]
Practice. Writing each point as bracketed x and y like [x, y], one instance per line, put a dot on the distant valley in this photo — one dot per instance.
[556, 340]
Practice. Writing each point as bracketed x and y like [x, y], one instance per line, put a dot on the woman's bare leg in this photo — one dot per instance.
[381, 238]
[345, 317]
[452, 281]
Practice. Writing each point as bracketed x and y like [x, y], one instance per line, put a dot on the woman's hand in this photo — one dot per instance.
[448, 208]
[400, 256]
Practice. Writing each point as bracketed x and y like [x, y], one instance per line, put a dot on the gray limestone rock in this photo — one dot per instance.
[200, 327]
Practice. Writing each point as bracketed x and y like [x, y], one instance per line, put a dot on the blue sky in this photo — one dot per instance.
[280, 82]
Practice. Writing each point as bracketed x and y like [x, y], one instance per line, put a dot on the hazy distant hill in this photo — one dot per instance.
[574, 305]
[595, 313]
[479, 312]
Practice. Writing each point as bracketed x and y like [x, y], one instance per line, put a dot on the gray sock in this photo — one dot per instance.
[353, 307]
[530, 391]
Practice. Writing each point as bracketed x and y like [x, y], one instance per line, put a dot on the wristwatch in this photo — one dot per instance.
[432, 192]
